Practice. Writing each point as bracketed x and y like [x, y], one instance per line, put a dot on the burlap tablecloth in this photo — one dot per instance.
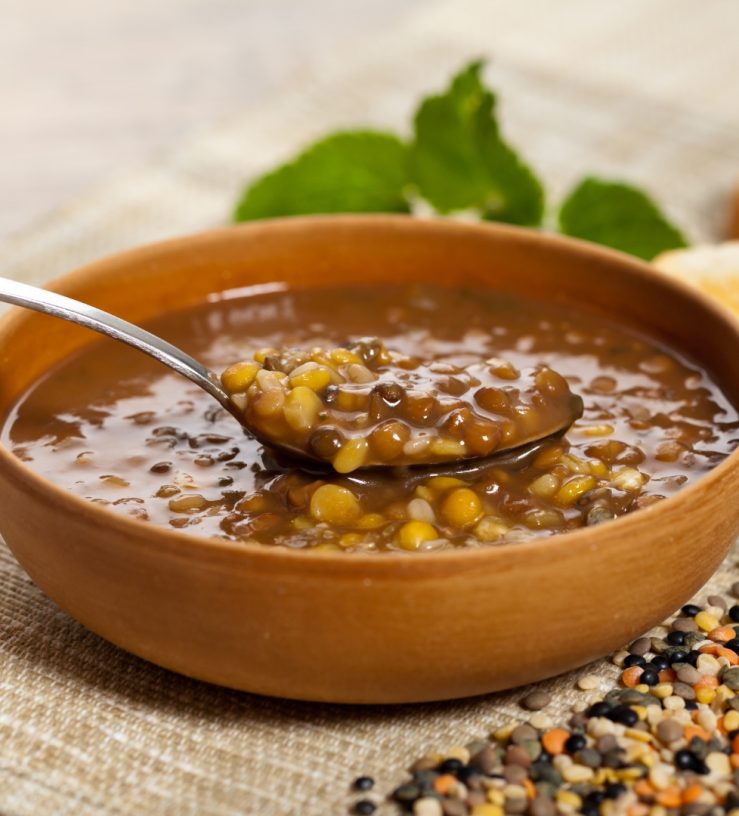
[643, 89]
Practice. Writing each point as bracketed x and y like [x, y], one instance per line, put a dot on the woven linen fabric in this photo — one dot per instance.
[643, 90]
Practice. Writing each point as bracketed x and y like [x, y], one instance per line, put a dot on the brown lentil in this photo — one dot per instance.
[669, 731]
[687, 674]
[536, 700]
[640, 646]
[685, 625]
[522, 733]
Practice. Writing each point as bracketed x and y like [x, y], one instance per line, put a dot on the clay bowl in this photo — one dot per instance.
[352, 628]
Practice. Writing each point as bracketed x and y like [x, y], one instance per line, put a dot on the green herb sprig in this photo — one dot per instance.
[457, 161]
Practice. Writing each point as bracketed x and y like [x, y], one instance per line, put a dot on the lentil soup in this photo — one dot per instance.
[118, 429]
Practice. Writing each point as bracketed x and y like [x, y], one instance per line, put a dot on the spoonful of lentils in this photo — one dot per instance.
[362, 405]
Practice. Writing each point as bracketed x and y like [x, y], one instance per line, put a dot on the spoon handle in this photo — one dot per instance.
[50, 303]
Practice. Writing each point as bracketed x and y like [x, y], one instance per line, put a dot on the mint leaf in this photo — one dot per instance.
[352, 171]
[460, 161]
[619, 216]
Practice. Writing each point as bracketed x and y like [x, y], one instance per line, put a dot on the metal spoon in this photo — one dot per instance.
[50, 303]
[42, 300]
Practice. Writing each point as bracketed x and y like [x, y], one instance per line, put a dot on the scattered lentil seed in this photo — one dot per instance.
[536, 700]
[542, 806]
[427, 806]
[588, 682]
[640, 646]
[684, 625]
[644, 750]
[684, 690]
[669, 731]
[706, 621]
[540, 720]
[363, 783]
[730, 678]
[521, 733]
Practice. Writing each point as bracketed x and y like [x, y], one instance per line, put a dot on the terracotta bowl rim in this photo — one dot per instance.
[582, 540]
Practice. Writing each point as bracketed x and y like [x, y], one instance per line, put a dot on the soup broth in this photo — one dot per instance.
[120, 430]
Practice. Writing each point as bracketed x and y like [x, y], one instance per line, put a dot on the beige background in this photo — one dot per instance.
[89, 87]
[642, 90]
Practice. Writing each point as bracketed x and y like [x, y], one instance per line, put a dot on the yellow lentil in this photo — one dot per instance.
[349, 400]
[501, 734]
[487, 809]
[705, 695]
[352, 455]
[312, 376]
[604, 776]
[350, 540]
[641, 711]
[546, 485]
[571, 491]
[574, 464]
[642, 754]
[342, 356]
[423, 492]
[302, 407]
[629, 774]
[240, 376]
[662, 690]
[335, 505]
[447, 447]
[414, 533]
[490, 529]
[706, 621]
[261, 355]
[596, 430]
[539, 519]
[301, 523]
[636, 734]
[371, 521]
[495, 796]
[598, 468]
[461, 507]
[566, 797]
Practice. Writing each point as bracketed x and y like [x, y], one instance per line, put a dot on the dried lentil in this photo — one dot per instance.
[536, 700]
[633, 752]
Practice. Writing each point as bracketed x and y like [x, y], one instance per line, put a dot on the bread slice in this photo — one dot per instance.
[713, 268]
